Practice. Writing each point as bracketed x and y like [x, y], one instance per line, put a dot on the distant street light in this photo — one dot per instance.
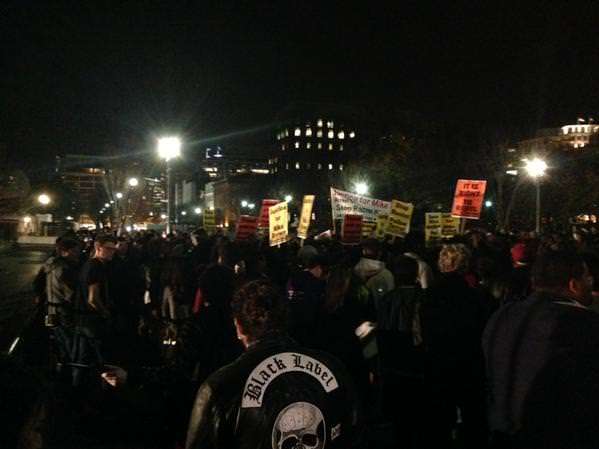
[361, 188]
[69, 218]
[183, 212]
[169, 148]
[119, 195]
[26, 219]
[133, 182]
[251, 206]
[536, 169]
[43, 199]
[198, 210]
[111, 201]
[288, 198]
[488, 203]
[107, 205]
[244, 203]
[163, 216]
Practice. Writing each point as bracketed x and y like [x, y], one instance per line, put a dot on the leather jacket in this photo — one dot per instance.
[276, 395]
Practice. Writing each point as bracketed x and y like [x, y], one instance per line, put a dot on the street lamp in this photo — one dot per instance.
[119, 195]
[198, 210]
[251, 206]
[361, 188]
[536, 169]
[43, 199]
[169, 148]
[133, 182]
[288, 198]
[488, 204]
[244, 203]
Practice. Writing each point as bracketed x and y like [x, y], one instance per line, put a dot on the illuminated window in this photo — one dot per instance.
[283, 147]
[331, 134]
[286, 133]
[330, 166]
[308, 132]
[340, 167]
[296, 144]
[320, 146]
[330, 124]
[308, 145]
[352, 135]
[330, 147]
[276, 170]
[319, 123]
[286, 166]
[319, 166]
[297, 165]
[341, 147]
[297, 132]
[279, 136]
[341, 135]
[319, 133]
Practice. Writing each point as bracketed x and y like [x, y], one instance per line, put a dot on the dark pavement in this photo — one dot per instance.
[18, 268]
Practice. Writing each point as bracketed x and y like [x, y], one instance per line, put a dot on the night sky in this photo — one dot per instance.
[80, 77]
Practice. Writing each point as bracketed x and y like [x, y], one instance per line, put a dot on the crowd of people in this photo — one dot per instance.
[200, 341]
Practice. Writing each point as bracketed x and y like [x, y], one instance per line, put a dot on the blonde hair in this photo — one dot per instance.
[454, 257]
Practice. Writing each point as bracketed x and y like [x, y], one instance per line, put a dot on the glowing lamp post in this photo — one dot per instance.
[361, 188]
[536, 169]
[169, 148]
[133, 182]
[43, 199]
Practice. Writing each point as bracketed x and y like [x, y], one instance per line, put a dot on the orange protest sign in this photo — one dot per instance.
[266, 204]
[468, 199]
[246, 226]
[351, 231]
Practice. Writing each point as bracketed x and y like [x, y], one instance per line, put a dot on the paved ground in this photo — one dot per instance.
[18, 268]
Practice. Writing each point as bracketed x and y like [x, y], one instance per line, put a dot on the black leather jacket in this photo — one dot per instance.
[276, 395]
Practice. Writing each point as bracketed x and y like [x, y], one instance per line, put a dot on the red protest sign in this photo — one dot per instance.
[468, 199]
[351, 230]
[246, 226]
[263, 223]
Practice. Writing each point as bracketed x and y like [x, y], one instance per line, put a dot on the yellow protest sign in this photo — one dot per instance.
[381, 226]
[305, 216]
[367, 229]
[278, 223]
[450, 226]
[432, 227]
[399, 218]
[209, 220]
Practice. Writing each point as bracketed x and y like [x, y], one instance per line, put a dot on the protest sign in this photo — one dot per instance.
[433, 225]
[351, 230]
[305, 216]
[266, 204]
[398, 224]
[381, 226]
[343, 203]
[209, 220]
[246, 226]
[368, 228]
[468, 199]
[450, 226]
[278, 223]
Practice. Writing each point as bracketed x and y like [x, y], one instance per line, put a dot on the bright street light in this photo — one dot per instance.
[111, 201]
[169, 147]
[288, 198]
[488, 203]
[106, 205]
[119, 195]
[43, 199]
[26, 219]
[244, 203]
[183, 212]
[536, 167]
[361, 188]
[198, 210]
[69, 218]
[133, 182]
[251, 206]
[163, 216]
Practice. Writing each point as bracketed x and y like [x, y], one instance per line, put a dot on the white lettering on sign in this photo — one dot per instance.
[286, 362]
